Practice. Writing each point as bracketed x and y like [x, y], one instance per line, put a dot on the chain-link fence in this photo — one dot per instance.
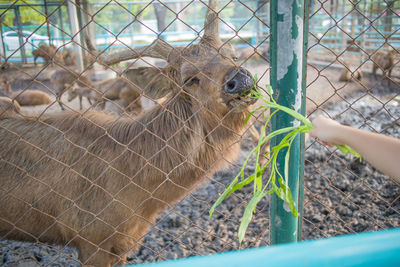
[354, 55]
[130, 125]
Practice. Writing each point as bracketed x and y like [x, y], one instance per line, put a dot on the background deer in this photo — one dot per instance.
[109, 90]
[8, 107]
[25, 97]
[48, 53]
[346, 75]
[62, 78]
[255, 53]
[383, 60]
[80, 92]
[69, 57]
[97, 182]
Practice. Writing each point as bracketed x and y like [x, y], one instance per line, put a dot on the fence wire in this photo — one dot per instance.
[354, 54]
[103, 163]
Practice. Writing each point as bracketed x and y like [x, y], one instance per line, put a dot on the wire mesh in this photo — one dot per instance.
[127, 113]
[353, 54]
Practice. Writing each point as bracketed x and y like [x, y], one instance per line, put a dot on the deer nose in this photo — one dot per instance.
[239, 81]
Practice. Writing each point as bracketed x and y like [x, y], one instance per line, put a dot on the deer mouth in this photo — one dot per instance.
[238, 85]
[243, 100]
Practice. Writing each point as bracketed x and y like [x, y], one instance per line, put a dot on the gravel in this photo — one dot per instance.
[342, 195]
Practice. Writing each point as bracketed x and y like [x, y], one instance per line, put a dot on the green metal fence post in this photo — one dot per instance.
[288, 69]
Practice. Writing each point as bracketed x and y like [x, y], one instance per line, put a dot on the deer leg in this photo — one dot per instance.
[58, 99]
[80, 102]
[91, 255]
[90, 102]
[61, 106]
[123, 244]
[389, 77]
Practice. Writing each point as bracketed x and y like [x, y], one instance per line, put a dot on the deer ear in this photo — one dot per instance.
[154, 82]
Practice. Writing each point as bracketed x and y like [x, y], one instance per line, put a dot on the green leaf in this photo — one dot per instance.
[278, 132]
[286, 195]
[255, 80]
[345, 149]
[225, 194]
[287, 157]
[249, 116]
[233, 187]
[241, 184]
[269, 90]
[248, 214]
[287, 110]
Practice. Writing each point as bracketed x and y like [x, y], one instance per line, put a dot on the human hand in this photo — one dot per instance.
[326, 130]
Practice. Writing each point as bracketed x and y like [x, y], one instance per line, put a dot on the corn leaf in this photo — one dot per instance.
[345, 149]
[261, 189]
[248, 214]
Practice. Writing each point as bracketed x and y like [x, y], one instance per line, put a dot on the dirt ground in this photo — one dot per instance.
[341, 195]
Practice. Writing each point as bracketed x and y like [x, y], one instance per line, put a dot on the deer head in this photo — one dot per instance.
[206, 71]
[72, 94]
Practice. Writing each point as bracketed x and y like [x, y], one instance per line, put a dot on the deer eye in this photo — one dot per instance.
[235, 58]
[191, 81]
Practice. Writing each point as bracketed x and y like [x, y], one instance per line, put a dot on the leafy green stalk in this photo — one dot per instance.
[275, 177]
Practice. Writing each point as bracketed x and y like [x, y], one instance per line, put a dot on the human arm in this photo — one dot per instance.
[382, 151]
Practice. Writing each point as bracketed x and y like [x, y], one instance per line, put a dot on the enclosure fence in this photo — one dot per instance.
[123, 113]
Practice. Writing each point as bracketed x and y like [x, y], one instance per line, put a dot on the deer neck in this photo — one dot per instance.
[8, 89]
[185, 144]
[182, 119]
[181, 124]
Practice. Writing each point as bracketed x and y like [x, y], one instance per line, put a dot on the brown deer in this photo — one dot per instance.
[80, 92]
[346, 75]
[63, 77]
[25, 97]
[384, 60]
[96, 181]
[8, 107]
[253, 53]
[48, 53]
[69, 57]
[108, 90]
